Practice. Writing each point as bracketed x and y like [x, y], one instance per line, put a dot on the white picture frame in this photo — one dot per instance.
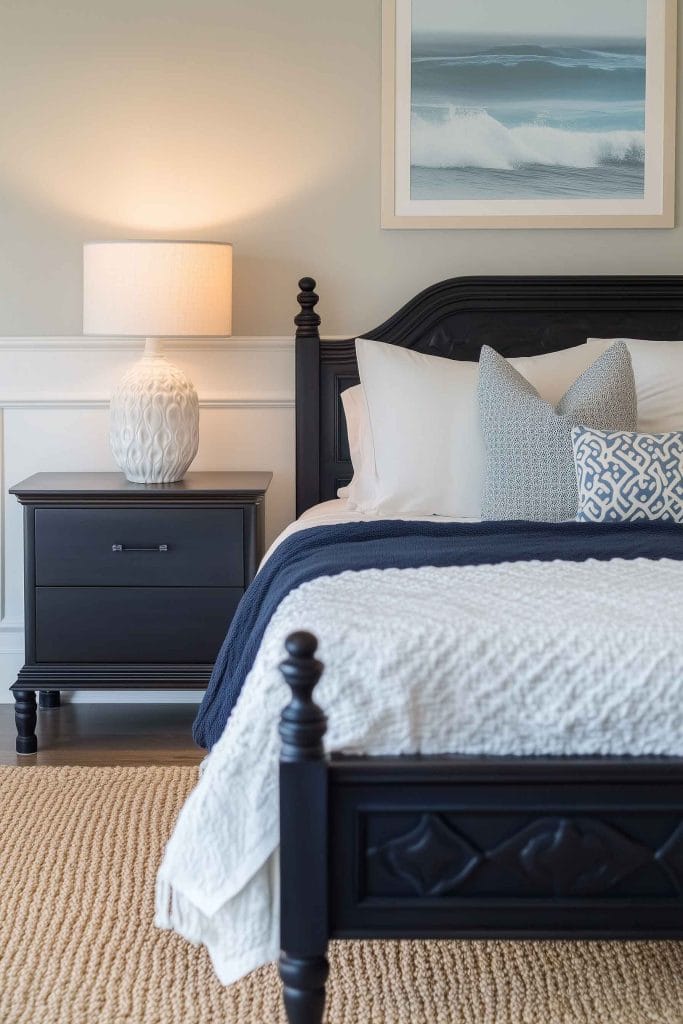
[656, 208]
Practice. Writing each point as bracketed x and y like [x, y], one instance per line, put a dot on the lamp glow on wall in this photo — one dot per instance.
[153, 290]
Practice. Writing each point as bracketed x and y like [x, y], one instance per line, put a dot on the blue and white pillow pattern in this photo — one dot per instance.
[625, 476]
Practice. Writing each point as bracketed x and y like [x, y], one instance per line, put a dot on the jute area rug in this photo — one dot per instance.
[79, 849]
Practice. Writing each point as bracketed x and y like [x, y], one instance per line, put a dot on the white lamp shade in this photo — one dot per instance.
[157, 289]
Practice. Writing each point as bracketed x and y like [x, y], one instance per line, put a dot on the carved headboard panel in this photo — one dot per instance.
[518, 316]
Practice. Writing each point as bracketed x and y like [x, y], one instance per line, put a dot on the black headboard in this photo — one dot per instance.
[518, 316]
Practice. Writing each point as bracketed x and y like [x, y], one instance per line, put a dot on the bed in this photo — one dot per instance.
[334, 810]
[400, 845]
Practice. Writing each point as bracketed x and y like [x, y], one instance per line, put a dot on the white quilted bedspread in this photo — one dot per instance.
[519, 658]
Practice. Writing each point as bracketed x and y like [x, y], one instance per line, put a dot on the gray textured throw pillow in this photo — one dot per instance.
[529, 456]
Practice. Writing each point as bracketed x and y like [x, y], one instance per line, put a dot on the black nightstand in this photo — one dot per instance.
[131, 586]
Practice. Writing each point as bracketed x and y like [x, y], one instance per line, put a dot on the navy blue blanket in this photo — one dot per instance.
[330, 550]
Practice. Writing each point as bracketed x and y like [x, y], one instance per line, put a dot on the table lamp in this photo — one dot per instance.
[155, 290]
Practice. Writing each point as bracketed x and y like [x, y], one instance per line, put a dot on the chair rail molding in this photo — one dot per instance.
[80, 342]
[206, 401]
[54, 398]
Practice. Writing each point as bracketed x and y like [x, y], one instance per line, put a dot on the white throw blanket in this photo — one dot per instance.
[519, 658]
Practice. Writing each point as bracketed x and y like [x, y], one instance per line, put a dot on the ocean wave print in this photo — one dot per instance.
[486, 74]
[515, 56]
[462, 137]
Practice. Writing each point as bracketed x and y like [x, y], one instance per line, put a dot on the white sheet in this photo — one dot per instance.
[518, 658]
[330, 513]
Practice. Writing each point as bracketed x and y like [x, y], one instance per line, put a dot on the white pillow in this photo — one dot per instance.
[553, 373]
[658, 371]
[424, 417]
[363, 486]
[424, 421]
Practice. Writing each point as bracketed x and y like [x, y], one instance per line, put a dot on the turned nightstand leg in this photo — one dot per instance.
[25, 717]
[49, 699]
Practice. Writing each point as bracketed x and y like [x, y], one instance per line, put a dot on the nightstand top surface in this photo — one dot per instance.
[116, 484]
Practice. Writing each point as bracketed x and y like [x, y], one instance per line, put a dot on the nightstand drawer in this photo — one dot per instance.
[124, 625]
[129, 547]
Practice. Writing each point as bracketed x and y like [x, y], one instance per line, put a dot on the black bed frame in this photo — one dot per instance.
[452, 847]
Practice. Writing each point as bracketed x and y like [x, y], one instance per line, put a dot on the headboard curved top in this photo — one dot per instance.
[518, 316]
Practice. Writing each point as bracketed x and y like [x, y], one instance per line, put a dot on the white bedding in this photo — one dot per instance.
[330, 513]
[518, 658]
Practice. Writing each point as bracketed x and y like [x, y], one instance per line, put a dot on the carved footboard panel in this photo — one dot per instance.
[505, 848]
[446, 847]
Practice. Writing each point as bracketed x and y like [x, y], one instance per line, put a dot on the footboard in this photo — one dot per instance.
[448, 847]
[505, 848]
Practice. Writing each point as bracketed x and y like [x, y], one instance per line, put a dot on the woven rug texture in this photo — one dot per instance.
[79, 848]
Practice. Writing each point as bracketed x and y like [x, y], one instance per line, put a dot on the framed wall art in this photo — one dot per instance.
[532, 114]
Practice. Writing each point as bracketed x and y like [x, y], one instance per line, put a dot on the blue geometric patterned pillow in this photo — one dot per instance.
[624, 476]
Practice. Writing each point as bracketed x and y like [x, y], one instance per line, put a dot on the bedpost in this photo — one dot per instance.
[307, 321]
[307, 398]
[303, 837]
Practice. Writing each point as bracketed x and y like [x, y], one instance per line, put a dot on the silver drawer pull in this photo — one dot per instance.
[123, 548]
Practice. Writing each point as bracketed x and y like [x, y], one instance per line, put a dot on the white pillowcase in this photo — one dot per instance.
[423, 416]
[362, 489]
[553, 373]
[423, 412]
[658, 372]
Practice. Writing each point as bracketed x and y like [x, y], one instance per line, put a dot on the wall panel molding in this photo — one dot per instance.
[11, 640]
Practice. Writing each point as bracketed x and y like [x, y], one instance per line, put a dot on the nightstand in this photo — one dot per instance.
[131, 586]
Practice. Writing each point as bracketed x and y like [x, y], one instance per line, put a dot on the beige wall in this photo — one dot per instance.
[253, 121]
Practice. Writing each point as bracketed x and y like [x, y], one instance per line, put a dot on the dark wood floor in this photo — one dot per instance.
[106, 734]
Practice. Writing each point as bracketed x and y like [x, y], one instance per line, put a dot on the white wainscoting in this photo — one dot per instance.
[54, 396]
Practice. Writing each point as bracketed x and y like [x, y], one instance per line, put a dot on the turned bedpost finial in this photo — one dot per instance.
[303, 723]
[307, 321]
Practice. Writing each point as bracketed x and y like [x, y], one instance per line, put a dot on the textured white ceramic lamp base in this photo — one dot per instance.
[154, 420]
